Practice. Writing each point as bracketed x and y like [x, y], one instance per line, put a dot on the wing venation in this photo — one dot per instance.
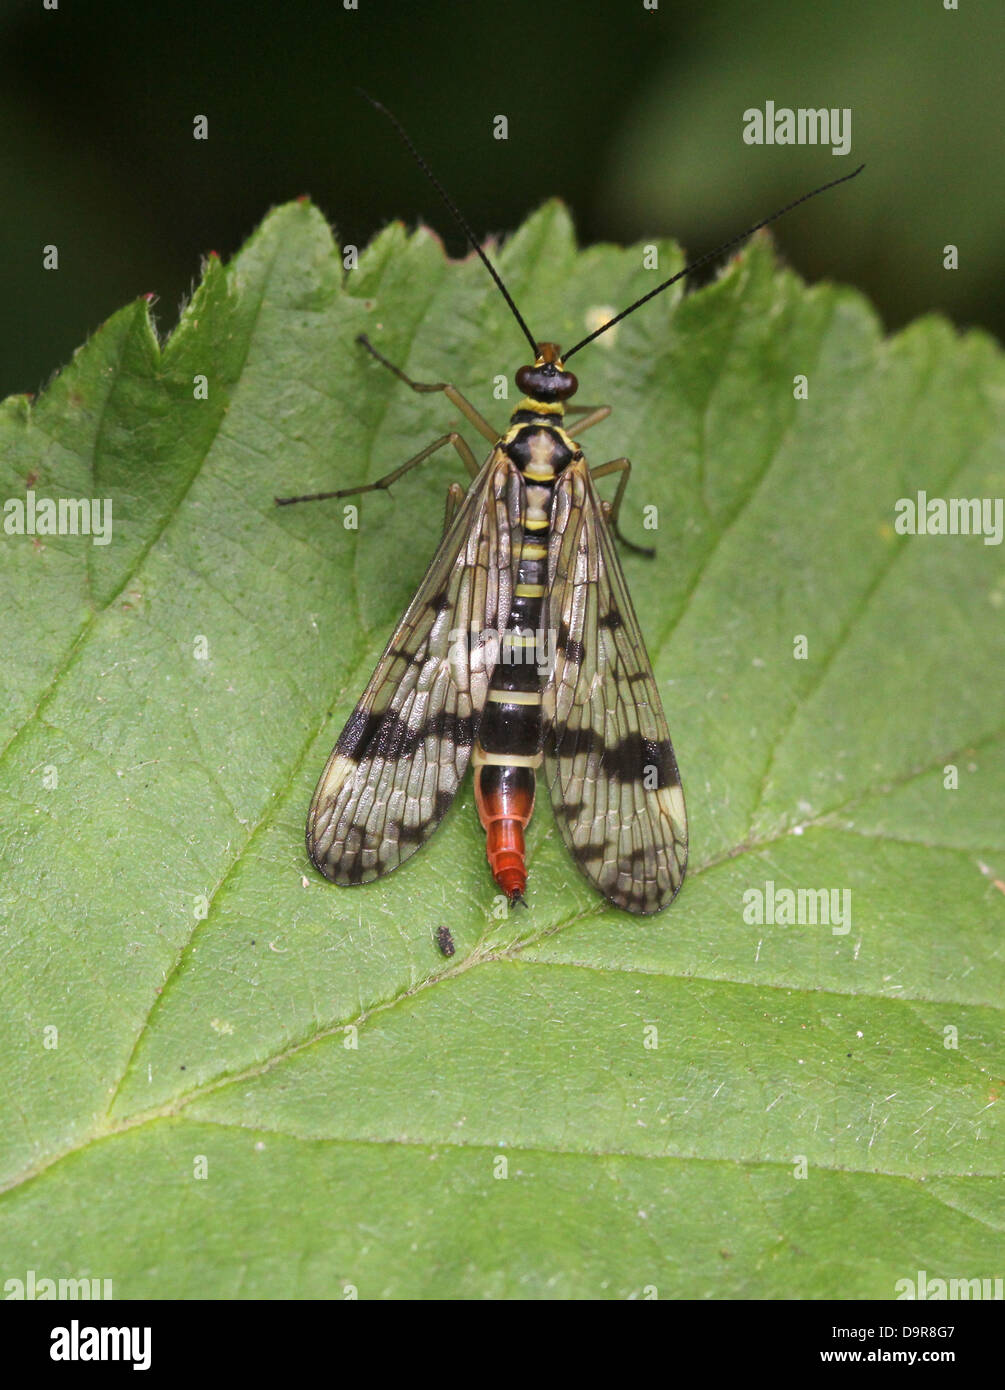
[405, 748]
[613, 777]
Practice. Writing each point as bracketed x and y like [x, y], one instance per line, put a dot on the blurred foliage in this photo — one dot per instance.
[631, 115]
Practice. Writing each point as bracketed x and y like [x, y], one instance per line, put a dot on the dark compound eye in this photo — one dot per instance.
[546, 383]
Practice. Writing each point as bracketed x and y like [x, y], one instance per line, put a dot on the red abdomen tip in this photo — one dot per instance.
[505, 853]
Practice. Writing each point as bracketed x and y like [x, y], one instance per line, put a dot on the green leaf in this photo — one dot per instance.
[354, 1098]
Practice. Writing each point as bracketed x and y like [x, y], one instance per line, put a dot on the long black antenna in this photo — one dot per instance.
[709, 256]
[457, 214]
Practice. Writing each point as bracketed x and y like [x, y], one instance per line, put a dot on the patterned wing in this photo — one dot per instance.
[614, 783]
[399, 760]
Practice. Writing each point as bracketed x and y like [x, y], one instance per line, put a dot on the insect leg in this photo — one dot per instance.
[455, 496]
[593, 416]
[624, 467]
[385, 482]
[451, 392]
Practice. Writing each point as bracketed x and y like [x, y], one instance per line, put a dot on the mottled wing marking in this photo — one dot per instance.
[400, 758]
[614, 783]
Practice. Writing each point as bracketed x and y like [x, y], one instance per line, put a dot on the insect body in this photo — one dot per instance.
[520, 650]
[569, 694]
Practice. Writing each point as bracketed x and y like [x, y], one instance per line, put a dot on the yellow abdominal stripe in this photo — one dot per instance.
[515, 697]
[479, 758]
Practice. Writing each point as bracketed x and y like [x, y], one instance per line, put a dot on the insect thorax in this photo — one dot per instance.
[536, 441]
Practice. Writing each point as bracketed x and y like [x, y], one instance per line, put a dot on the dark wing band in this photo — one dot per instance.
[615, 788]
[400, 758]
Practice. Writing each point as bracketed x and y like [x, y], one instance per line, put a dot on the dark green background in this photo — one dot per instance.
[633, 116]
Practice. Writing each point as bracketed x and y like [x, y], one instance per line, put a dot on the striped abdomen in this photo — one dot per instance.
[508, 749]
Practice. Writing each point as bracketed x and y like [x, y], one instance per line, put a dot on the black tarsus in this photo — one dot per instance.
[710, 256]
[456, 212]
